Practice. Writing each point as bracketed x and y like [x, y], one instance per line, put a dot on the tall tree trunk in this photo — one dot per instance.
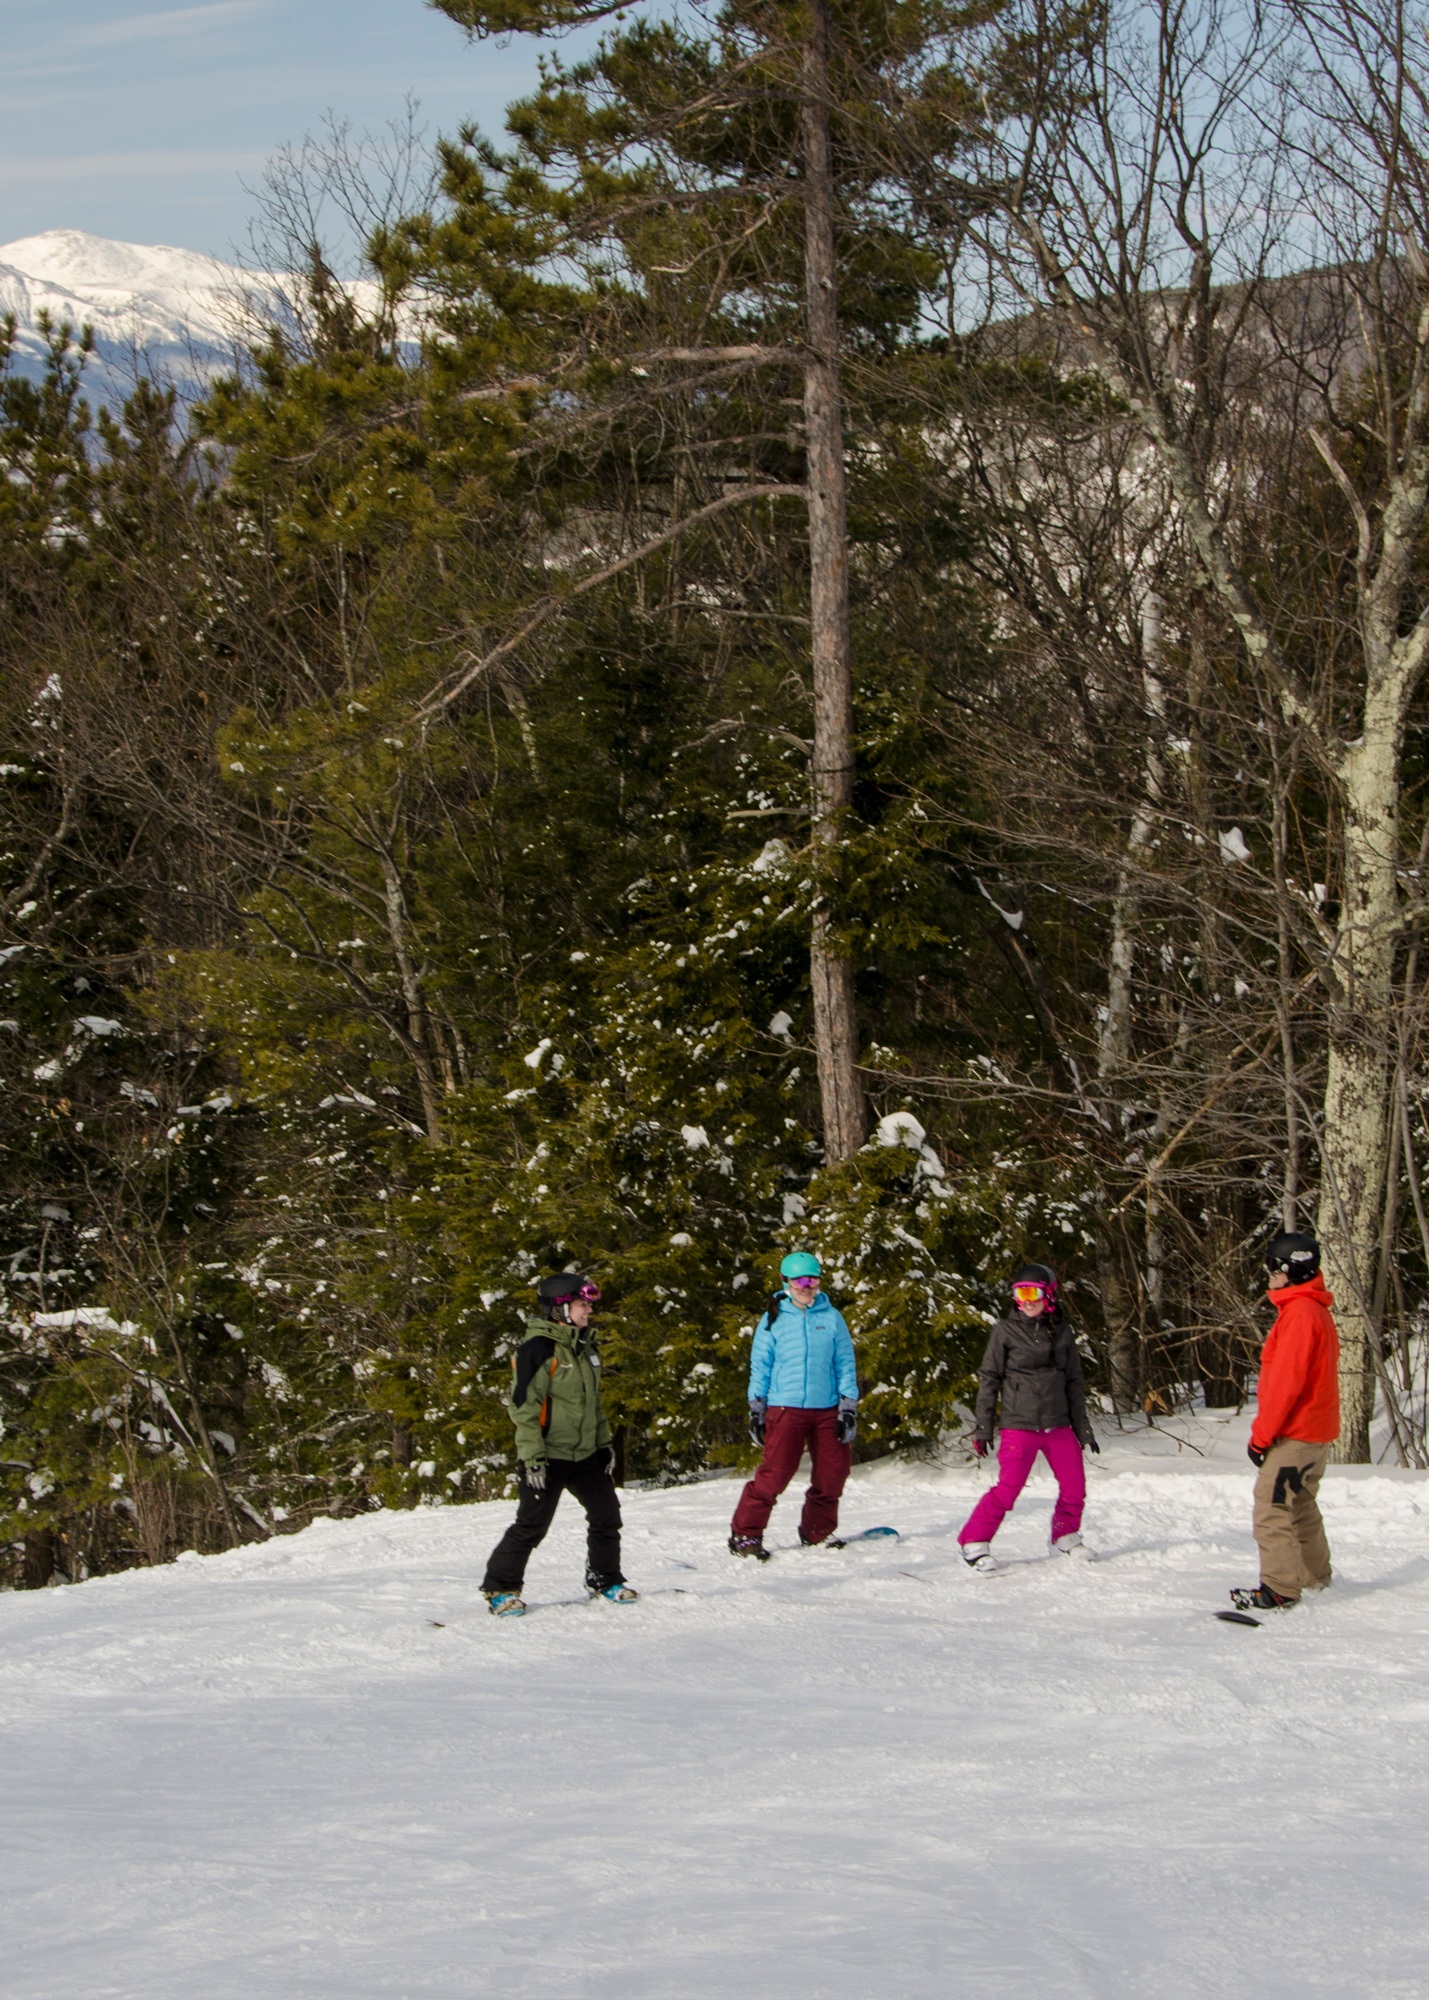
[831, 973]
[1114, 1040]
[1123, 1337]
[419, 1040]
[1355, 1147]
[1290, 1197]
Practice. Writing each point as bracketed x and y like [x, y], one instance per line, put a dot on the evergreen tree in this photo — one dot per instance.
[478, 855]
[732, 184]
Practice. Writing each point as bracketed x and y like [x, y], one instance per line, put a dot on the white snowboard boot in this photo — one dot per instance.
[979, 1556]
[1074, 1546]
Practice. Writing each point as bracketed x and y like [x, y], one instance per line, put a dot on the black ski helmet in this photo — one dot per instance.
[558, 1291]
[1043, 1275]
[1296, 1255]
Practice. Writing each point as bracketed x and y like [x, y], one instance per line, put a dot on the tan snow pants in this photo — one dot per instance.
[1294, 1554]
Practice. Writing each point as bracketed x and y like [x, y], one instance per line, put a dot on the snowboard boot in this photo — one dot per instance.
[1074, 1546]
[823, 1542]
[618, 1592]
[1262, 1598]
[748, 1545]
[505, 1603]
[979, 1557]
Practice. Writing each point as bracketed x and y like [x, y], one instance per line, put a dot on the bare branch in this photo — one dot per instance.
[437, 704]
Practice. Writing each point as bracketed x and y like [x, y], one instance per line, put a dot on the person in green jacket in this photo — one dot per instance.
[563, 1443]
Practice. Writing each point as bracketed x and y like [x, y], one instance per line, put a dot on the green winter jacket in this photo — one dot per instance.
[576, 1424]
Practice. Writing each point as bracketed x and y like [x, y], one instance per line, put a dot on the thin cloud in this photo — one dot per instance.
[166, 25]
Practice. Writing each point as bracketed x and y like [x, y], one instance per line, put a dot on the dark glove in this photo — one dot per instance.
[1092, 1445]
[846, 1422]
[758, 1405]
[982, 1446]
[1255, 1455]
[534, 1473]
[610, 1461]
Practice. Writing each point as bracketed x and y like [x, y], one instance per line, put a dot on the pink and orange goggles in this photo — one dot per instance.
[1028, 1294]
[589, 1291]
[803, 1281]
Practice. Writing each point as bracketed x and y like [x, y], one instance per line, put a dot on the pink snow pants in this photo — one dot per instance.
[1016, 1455]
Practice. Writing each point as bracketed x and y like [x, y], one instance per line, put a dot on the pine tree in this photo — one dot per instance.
[733, 181]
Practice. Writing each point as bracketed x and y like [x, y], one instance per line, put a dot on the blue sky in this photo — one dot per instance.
[143, 122]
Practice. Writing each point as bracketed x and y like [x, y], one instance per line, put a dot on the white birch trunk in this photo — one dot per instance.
[1356, 1136]
[1114, 1044]
[417, 1040]
[1114, 1040]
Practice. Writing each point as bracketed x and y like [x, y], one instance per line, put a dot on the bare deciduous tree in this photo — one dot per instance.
[1229, 219]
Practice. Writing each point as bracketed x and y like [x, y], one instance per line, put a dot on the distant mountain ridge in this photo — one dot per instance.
[172, 314]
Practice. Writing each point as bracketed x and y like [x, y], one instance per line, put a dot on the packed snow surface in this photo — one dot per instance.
[319, 1768]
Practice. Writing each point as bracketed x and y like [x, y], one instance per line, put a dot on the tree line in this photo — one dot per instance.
[829, 645]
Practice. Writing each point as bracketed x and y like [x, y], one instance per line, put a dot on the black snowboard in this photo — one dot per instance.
[1236, 1618]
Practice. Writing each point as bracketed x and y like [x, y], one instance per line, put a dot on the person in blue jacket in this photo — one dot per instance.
[803, 1391]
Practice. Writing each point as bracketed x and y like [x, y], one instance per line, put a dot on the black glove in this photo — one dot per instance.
[1255, 1455]
[1092, 1445]
[758, 1405]
[610, 1461]
[982, 1446]
[534, 1473]
[846, 1422]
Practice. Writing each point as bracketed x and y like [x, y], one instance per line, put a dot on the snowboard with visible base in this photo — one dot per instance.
[1236, 1618]
[863, 1535]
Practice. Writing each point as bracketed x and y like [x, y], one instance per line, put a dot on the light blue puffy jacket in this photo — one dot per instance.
[804, 1361]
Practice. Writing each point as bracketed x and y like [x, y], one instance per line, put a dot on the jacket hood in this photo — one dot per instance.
[559, 1330]
[1313, 1289]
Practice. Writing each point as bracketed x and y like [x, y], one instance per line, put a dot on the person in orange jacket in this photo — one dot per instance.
[1297, 1419]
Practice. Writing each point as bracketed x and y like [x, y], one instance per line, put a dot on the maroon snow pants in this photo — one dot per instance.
[786, 1433]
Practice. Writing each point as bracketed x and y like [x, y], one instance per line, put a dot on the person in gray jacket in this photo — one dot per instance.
[1032, 1368]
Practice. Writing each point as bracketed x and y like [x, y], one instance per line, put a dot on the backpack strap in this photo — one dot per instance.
[546, 1399]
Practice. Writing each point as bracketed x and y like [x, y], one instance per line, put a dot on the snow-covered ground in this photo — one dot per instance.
[271, 1775]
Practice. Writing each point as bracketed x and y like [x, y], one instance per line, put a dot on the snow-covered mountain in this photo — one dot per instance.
[169, 313]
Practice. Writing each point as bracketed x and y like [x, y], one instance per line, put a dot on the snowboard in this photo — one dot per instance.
[1236, 1618]
[863, 1535]
[562, 1604]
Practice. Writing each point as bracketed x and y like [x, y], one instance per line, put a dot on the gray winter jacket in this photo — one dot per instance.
[1034, 1367]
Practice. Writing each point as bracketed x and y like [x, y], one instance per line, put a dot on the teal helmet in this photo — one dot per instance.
[801, 1264]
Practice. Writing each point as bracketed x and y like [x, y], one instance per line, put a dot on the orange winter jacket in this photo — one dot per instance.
[1299, 1369]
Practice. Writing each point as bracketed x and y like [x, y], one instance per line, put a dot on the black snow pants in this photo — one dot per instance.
[593, 1486]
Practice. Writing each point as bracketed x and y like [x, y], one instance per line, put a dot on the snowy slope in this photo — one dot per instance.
[865, 1776]
[172, 310]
